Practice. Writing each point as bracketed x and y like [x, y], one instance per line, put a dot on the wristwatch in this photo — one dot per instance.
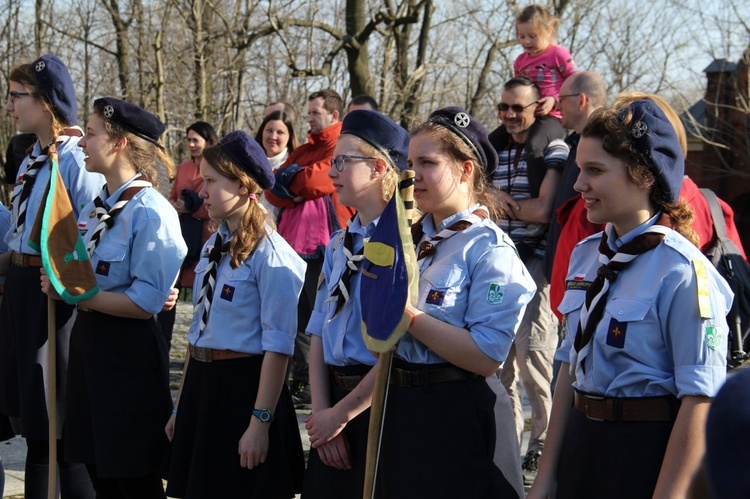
[263, 415]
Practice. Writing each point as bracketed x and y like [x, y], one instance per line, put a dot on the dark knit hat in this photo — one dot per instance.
[56, 87]
[381, 132]
[250, 156]
[655, 139]
[132, 118]
[471, 132]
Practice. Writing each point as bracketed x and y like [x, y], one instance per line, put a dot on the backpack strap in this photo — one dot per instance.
[717, 215]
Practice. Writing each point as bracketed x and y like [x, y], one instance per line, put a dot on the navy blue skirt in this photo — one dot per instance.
[325, 482]
[214, 412]
[118, 398]
[449, 440]
[23, 352]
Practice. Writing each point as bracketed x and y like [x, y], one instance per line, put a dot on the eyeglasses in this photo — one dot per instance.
[12, 96]
[338, 161]
[568, 95]
[517, 108]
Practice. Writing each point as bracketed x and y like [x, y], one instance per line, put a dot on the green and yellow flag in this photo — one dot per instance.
[55, 235]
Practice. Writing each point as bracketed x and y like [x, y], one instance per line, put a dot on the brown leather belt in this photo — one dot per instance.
[614, 409]
[211, 355]
[345, 382]
[25, 260]
[439, 374]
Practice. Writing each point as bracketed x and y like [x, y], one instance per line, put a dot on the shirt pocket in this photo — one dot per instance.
[111, 267]
[619, 314]
[232, 284]
[441, 292]
[570, 308]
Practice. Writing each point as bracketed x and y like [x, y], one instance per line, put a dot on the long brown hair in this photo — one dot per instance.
[24, 74]
[252, 227]
[612, 126]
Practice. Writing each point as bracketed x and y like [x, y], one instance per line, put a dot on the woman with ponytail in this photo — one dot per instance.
[234, 431]
[644, 322]
[118, 396]
[42, 101]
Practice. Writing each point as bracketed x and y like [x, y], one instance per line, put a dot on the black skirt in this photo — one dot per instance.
[23, 352]
[215, 409]
[448, 440]
[325, 482]
[118, 399]
[613, 460]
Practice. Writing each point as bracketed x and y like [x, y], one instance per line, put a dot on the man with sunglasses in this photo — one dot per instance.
[532, 154]
[310, 213]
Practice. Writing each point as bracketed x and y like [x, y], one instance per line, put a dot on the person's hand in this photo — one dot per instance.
[253, 446]
[544, 106]
[169, 429]
[171, 300]
[507, 206]
[179, 205]
[322, 426]
[336, 453]
[47, 287]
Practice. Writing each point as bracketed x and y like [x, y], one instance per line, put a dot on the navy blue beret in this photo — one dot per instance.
[727, 438]
[250, 156]
[472, 133]
[654, 137]
[132, 118]
[56, 87]
[381, 132]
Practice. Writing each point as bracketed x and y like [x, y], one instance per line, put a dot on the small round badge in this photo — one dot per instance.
[40, 66]
[639, 130]
[109, 111]
[462, 120]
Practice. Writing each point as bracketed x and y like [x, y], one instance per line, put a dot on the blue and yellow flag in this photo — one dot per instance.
[389, 272]
[55, 235]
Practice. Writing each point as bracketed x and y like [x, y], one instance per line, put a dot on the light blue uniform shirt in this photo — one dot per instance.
[651, 340]
[4, 227]
[343, 343]
[254, 307]
[141, 254]
[81, 185]
[474, 281]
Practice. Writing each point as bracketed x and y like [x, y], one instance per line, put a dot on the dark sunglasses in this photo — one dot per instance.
[517, 108]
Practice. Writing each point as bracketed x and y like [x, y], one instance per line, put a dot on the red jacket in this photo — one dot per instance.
[575, 227]
[313, 182]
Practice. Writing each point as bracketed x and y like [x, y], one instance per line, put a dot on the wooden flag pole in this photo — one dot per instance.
[383, 374]
[52, 398]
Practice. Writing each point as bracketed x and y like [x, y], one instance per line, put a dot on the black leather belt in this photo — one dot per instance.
[439, 373]
[345, 382]
[618, 409]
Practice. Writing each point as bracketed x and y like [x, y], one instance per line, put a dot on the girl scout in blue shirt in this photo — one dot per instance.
[41, 100]
[449, 429]
[118, 396]
[234, 433]
[368, 154]
[645, 330]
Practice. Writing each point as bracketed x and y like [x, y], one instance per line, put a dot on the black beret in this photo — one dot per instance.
[250, 156]
[654, 137]
[472, 133]
[56, 87]
[381, 132]
[132, 118]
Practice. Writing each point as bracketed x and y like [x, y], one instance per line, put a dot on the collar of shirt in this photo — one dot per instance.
[428, 225]
[617, 244]
[355, 227]
[112, 199]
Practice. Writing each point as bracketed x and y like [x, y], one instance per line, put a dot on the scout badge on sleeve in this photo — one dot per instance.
[56, 236]
[389, 272]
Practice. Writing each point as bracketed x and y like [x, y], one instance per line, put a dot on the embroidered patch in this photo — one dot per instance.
[577, 283]
[102, 268]
[495, 294]
[206, 252]
[616, 333]
[435, 297]
[713, 337]
[227, 292]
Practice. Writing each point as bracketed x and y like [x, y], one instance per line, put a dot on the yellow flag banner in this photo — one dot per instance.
[55, 235]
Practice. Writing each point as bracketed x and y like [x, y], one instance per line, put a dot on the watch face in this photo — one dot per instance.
[264, 415]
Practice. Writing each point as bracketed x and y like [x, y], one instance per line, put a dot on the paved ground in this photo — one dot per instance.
[13, 452]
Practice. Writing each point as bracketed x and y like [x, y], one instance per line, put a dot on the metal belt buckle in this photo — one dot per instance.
[202, 354]
[586, 399]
